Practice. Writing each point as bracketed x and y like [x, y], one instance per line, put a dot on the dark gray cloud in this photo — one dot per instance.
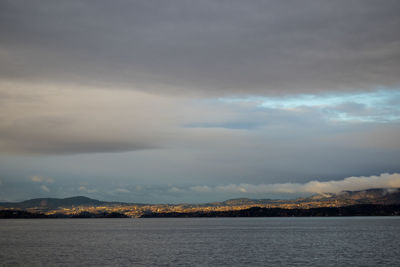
[58, 119]
[44, 145]
[218, 47]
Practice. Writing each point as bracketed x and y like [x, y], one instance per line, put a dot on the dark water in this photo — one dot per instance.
[353, 241]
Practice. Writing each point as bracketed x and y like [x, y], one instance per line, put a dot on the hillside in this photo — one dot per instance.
[76, 206]
[53, 203]
[369, 196]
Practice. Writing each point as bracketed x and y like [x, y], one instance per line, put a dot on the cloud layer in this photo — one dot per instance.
[206, 47]
[61, 119]
[384, 180]
[132, 191]
[47, 118]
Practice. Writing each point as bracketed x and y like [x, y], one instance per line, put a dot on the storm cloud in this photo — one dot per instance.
[204, 47]
[59, 119]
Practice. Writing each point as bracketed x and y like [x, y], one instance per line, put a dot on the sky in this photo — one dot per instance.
[198, 101]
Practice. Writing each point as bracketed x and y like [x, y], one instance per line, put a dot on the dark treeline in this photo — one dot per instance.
[21, 214]
[355, 210]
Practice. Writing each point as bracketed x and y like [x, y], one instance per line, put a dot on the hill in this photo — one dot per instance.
[54, 203]
[368, 196]
[76, 206]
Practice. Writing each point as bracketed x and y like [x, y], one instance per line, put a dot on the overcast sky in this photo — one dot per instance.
[198, 101]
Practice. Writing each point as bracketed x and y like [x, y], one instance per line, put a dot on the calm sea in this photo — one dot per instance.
[351, 241]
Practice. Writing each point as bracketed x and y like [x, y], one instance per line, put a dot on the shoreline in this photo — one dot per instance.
[352, 210]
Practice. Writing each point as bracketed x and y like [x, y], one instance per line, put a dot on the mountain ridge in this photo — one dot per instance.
[368, 196]
[52, 203]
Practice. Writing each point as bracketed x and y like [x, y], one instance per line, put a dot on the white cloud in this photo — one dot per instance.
[122, 190]
[139, 188]
[201, 188]
[41, 179]
[384, 180]
[45, 188]
[174, 189]
[87, 190]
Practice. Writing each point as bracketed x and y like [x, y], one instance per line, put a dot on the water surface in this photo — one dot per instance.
[355, 241]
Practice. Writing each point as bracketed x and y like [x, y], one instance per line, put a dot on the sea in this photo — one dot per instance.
[316, 241]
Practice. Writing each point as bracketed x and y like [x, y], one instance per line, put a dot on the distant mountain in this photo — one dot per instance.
[53, 203]
[245, 201]
[345, 198]
[369, 196]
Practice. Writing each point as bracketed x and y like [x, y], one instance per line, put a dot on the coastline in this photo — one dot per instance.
[353, 210]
